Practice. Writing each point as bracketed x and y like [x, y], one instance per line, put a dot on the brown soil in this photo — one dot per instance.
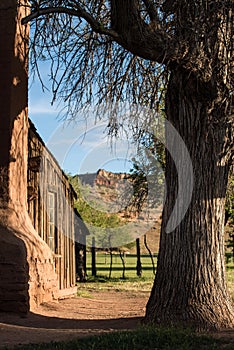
[102, 311]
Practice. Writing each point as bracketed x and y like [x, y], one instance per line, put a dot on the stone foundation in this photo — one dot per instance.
[27, 271]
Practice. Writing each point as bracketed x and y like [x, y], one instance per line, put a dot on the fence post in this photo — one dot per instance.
[94, 270]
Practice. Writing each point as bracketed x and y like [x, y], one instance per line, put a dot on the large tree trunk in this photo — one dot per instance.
[27, 275]
[190, 284]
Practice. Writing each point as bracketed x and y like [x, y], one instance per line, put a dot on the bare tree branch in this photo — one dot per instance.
[129, 30]
[151, 11]
[114, 50]
[139, 37]
[78, 12]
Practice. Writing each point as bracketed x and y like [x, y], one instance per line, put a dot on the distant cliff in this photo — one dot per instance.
[103, 178]
[113, 190]
[87, 179]
[117, 189]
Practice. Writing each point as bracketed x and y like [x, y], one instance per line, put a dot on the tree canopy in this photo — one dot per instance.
[114, 45]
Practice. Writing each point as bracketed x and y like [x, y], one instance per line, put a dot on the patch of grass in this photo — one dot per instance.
[101, 283]
[83, 293]
[103, 265]
[141, 339]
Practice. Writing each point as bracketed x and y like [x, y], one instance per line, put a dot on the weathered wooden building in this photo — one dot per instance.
[50, 207]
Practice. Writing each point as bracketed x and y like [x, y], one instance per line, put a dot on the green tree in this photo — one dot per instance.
[148, 173]
[122, 50]
[98, 221]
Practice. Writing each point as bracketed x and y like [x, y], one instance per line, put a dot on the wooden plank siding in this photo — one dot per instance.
[50, 206]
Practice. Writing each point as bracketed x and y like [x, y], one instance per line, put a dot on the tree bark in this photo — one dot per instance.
[141, 39]
[190, 284]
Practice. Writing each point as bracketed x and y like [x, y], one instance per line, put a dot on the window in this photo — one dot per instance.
[52, 235]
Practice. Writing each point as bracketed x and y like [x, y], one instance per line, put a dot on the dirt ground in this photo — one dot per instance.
[101, 311]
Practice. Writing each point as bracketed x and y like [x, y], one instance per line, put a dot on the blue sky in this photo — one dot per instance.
[81, 146]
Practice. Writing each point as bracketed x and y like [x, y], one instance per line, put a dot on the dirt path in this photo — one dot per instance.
[71, 318]
[100, 312]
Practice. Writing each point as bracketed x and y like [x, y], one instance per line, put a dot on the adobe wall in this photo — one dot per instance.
[27, 273]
